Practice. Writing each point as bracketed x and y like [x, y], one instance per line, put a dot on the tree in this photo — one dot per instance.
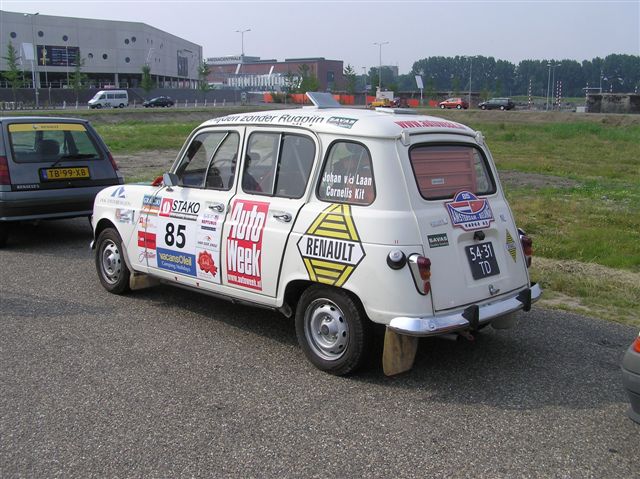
[308, 81]
[203, 81]
[78, 80]
[147, 83]
[13, 75]
[350, 80]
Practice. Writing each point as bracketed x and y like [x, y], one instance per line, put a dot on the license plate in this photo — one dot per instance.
[68, 173]
[482, 260]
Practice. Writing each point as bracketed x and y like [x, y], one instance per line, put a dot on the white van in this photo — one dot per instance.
[337, 217]
[109, 99]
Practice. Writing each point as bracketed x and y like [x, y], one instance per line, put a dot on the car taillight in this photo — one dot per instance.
[113, 162]
[636, 344]
[421, 271]
[527, 247]
[5, 178]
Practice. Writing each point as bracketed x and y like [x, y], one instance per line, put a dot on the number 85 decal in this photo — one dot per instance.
[175, 237]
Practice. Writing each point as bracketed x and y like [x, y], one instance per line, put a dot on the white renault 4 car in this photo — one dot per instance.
[339, 217]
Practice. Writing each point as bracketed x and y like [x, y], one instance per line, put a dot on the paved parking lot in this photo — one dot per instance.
[167, 383]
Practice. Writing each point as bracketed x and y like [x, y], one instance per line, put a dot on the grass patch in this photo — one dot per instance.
[133, 136]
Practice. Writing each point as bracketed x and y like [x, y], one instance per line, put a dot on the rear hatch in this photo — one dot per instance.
[46, 155]
[466, 225]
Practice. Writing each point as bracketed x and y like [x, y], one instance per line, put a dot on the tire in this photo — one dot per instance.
[332, 330]
[458, 107]
[98, 106]
[502, 107]
[121, 105]
[110, 264]
[483, 107]
[442, 107]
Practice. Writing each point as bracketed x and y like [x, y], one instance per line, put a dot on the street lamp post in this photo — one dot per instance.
[546, 105]
[470, 70]
[34, 63]
[380, 64]
[364, 88]
[242, 32]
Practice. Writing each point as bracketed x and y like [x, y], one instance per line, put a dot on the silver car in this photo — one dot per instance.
[50, 168]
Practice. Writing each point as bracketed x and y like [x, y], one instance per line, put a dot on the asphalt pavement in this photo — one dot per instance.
[167, 383]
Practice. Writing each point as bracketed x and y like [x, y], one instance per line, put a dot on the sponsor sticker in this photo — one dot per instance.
[184, 210]
[331, 248]
[117, 197]
[151, 204]
[206, 264]
[438, 240]
[511, 246]
[244, 243]
[342, 122]
[125, 215]
[469, 212]
[177, 261]
[146, 240]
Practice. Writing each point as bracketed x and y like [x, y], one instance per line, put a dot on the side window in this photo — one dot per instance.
[347, 176]
[278, 164]
[443, 170]
[222, 167]
[192, 170]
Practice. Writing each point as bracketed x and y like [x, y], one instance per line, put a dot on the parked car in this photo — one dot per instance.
[51, 168]
[631, 378]
[497, 104]
[158, 101]
[338, 217]
[457, 103]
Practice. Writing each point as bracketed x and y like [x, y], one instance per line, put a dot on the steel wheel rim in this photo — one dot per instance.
[326, 329]
[111, 262]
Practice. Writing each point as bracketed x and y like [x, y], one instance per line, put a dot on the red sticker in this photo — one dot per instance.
[206, 263]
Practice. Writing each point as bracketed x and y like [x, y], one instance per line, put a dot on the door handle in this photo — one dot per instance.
[283, 217]
[219, 207]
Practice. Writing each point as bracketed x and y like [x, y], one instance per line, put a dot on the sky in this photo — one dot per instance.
[349, 30]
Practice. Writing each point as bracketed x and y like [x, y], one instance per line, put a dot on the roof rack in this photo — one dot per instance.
[396, 111]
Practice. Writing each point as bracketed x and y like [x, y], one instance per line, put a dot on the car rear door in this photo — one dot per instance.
[466, 225]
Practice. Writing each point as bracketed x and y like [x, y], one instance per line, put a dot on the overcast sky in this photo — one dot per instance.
[347, 30]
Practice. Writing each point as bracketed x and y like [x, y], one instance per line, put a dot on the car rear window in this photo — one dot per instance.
[50, 142]
[443, 170]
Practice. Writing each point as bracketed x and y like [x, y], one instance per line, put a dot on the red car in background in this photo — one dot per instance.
[458, 103]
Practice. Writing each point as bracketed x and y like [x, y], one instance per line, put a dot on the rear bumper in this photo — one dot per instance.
[472, 317]
[44, 204]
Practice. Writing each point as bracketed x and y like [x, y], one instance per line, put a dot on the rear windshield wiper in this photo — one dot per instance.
[76, 156]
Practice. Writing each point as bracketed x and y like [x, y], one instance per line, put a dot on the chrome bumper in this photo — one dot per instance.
[472, 317]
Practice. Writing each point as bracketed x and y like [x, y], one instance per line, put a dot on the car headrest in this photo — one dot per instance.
[48, 147]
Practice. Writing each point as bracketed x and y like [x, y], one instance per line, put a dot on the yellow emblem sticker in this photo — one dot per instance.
[331, 248]
[511, 246]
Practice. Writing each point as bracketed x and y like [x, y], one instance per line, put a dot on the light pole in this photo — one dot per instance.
[546, 104]
[380, 64]
[242, 32]
[364, 88]
[553, 84]
[34, 63]
[470, 70]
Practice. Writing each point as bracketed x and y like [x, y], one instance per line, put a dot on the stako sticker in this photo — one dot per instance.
[331, 248]
[511, 246]
[469, 212]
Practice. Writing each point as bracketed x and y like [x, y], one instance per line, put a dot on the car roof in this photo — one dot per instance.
[380, 122]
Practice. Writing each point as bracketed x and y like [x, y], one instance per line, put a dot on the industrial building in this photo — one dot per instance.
[113, 52]
[252, 73]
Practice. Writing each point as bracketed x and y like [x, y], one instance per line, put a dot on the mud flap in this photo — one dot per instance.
[141, 281]
[399, 352]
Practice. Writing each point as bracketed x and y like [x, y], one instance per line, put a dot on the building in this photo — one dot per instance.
[113, 52]
[252, 73]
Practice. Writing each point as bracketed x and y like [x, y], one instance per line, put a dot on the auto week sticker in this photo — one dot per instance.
[469, 212]
[331, 248]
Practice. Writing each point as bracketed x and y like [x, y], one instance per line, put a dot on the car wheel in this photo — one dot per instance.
[502, 107]
[442, 107]
[483, 107]
[98, 106]
[332, 330]
[121, 105]
[458, 107]
[110, 264]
